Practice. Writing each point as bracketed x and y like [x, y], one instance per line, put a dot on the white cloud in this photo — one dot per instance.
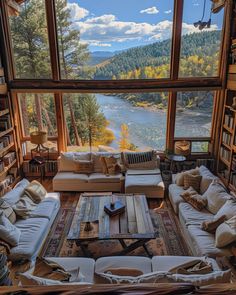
[195, 4]
[150, 10]
[104, 29]
[77, 12]
[168, 11]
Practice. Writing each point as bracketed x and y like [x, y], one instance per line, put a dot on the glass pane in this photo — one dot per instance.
[30, 41]
[114, 39]
[194, 114]
[199, 147]
[200, 48]
[37, 112]
[134, 121]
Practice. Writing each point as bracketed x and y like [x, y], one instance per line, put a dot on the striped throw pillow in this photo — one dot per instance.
[192, 180]
[140, 160]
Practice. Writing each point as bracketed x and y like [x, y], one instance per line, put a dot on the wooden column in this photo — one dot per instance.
[174, 71]
[55, 66]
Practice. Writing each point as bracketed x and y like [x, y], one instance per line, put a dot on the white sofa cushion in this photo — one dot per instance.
[191, 216]
[226, 232]
[70, 177]
[174, 196]
[204, 243]
[228, 209]
[216, 196]
[8, 231]
[32, 233]
[14, 195]
[207, 178]
[138, 262]
[147, 181]
[66, 160]
[102, 178]
[143, 171]
[46, 209]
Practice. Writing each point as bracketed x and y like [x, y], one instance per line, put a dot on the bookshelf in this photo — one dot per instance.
[226, 164]
[9, 156]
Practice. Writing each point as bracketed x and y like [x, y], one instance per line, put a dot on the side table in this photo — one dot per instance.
[41, 164]
[175, 161]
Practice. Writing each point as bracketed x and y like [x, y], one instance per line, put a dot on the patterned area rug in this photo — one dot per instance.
[169, 242]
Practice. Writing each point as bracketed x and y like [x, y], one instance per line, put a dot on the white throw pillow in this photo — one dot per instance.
[14, 195]
[216, 196]
[207, 178]
[24, 207]
[8, 231]
[226, 233]
[228, 209]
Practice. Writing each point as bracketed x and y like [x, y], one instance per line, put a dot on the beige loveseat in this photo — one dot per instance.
[143, 177]
[155, 270]
[201, 242]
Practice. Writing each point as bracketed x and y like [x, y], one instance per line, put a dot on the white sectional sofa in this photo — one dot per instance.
[155, 270]
[34, 229]
[139, 179]
[201, 242]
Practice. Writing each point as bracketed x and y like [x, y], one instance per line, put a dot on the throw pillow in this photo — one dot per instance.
[27, 279]
[216, 196]
[83, 167]
[36, 191]
[110, 165]
[50, 270]
[24, 207]
[140, 160]
[7, 210]
[207, 178]
[226, 233]
[179, 180]
[124, 271]
[193, 181]
[228, 209]
[211, 226]
[8, 231]
[194, 199]
[197, 266]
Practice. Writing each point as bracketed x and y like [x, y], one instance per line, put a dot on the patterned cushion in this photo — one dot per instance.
[141, 160]
[36, 191]
[193, 181]
[110, 165]
[194, 199]
[7, 210]
[83, 166]
[211, 226]
[180, 176]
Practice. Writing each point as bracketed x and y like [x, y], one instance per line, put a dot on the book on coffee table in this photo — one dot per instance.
[117, 208]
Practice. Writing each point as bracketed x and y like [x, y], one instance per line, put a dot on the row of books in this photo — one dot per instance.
[7, 160]
[233, 179]
[226, 138]
[5, 123]
[234, 163]
[225, 154]
[229, 121]
[51, 167]
[233, 51]
[6, 141]
[4, 184]
[3, 103]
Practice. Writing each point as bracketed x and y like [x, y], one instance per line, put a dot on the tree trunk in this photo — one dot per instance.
[38, 111]
[73, 122]
[24, 114]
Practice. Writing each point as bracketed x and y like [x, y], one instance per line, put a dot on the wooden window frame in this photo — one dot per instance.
[59, 86]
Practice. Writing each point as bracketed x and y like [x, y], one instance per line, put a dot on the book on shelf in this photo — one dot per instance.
[5, 122]
[225, 154]
[9, 158]
[51, 167]
[234, 163]
[3, 103]
[2, 166]
[226, 137]
[4, 184]
[233, 179]
[229, 120]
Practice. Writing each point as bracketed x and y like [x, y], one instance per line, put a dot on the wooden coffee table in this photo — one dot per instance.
[135, 223]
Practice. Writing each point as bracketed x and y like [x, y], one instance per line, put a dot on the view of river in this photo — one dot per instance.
[147, 128]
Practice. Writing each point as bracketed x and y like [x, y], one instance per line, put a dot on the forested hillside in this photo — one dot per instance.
[198, 58]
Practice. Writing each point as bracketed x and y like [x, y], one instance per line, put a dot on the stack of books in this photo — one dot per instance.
[229, 121]
[6, 141]
[9, 158]
[233, 51]
[5, 123]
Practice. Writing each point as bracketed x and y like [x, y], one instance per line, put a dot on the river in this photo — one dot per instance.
[147, 128]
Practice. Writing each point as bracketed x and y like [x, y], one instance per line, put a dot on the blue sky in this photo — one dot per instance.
[110, 25]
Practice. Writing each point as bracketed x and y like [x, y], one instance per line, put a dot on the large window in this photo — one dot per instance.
[131, 121]
[30, 41]
[114, 39]
[200, 49]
